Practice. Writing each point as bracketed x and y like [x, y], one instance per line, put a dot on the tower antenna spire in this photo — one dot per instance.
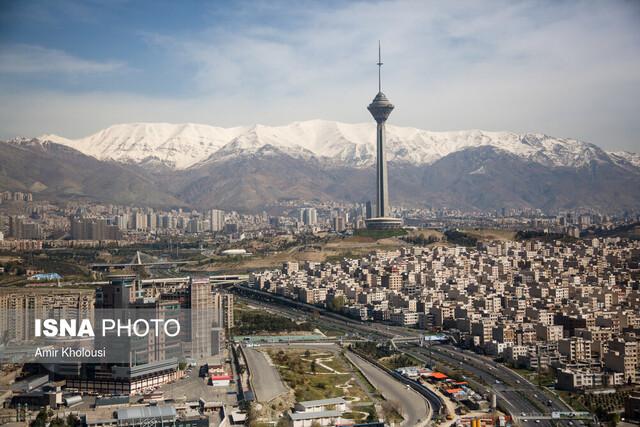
[379, 68]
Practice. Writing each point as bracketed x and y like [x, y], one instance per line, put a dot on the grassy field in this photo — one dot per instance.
[573, 400]
[380, 234]
[491, 235]
[400, 361]
[273, 251]
[328, 249]
[303, 371]
[363, 414]
[329, 332]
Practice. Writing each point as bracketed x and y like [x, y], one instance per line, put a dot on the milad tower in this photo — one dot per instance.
[380, 109]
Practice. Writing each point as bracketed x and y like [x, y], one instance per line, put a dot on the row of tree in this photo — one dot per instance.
[421, 240]
[256, 322]
[45, 418]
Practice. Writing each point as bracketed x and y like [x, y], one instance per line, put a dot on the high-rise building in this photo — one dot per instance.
[217, 220]
[139, 221]
[206, 318]
[93, 229]
[20, 228]
[151, 221]
[309, 216]
[227, 310]
[19, 308]
[195, 225]
[380, 109]
[122, 221]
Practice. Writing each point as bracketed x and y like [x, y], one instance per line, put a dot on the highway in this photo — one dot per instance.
[524, 400]
[507, 376]
[351, 327]
[415, 408]
[506, 394]
[518, 395]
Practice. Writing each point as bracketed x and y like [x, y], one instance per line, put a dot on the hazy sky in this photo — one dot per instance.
[563, 68]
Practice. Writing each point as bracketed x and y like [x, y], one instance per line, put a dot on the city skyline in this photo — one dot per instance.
[567, 69]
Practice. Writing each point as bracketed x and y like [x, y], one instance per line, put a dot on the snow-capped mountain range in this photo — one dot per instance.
[249, 167]
[184, 146]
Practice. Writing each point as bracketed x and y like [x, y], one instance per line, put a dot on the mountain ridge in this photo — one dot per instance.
[247, 168]
[181, 146]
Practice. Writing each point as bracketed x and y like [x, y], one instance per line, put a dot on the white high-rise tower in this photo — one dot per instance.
[380, 109]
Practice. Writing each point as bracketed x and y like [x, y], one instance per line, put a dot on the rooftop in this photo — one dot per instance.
[312, 415]
[164, 411]
[322, 402]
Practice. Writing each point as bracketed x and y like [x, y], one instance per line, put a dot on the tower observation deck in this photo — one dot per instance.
[380, 109]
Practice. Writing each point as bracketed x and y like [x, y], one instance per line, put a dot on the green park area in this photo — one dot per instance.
[318, 374]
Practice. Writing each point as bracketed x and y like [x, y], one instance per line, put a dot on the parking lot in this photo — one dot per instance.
[191, 387]
[195, 387]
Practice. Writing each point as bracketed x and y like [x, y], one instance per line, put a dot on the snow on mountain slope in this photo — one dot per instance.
[625, 157]
[177, 145]
[181, 146]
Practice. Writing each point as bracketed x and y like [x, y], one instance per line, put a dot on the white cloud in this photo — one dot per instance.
[25, 58]
[571, 69]
[568, 69]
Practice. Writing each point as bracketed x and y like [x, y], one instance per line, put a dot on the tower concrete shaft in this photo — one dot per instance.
[380, 109]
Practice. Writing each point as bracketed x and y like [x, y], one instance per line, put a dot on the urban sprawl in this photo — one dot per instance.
[563, 299]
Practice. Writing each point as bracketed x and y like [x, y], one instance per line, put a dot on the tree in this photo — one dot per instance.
[252, 413]
[336, 303]
[72, 420]
[41, 419]
[57, 422]
[389, 407]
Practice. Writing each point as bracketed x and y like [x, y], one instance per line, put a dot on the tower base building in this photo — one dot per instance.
[383, 223]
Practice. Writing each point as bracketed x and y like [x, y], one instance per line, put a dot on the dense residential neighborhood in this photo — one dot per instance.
[570, 307]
